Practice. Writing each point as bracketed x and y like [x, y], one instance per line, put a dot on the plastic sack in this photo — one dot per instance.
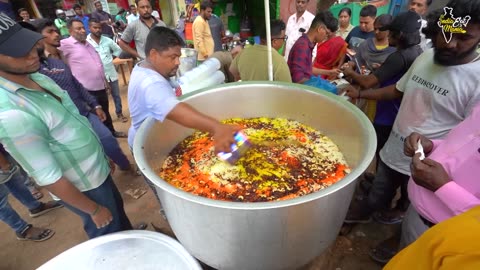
[322, 84]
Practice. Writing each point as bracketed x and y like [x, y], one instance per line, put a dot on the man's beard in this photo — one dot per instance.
[147, 16]
[447, 57]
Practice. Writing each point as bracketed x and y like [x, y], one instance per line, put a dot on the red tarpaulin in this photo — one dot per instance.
[122, 3]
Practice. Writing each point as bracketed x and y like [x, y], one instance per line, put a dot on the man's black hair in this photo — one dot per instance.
[132, 6]
[93, 20]
[407, 40]
[368, 11]
[205, 4]
[20, 10]
[384, 19]
[276, 28]
[326, 18]
[432, 27]
[43, 23]
[28, 26]
[462, 8]
[347, 10]
[161, 39]
[71, 21]
[77, 6]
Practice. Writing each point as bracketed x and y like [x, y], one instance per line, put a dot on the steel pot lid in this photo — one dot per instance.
[125, 250]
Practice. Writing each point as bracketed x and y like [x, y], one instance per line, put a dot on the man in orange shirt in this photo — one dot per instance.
[202, 37]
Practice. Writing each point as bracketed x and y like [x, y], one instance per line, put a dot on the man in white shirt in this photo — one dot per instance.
[301, 19]
[133, 14]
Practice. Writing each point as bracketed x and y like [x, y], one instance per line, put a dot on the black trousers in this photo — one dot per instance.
[102, 99]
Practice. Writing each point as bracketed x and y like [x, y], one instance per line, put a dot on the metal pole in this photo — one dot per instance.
[269, 39]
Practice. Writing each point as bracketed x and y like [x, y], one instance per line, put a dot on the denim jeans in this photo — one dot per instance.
[109, 143]
[19, 190]
[108, 196]
[116, 96]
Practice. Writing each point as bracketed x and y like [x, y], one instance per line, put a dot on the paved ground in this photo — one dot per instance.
[349, 252]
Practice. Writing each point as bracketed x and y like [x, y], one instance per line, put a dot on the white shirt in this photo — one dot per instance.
[132, 17]
[436, 99]
[293, 27]
[149, 95]
[156, 15]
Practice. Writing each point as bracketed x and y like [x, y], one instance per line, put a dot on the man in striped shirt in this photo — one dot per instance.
[43, 131]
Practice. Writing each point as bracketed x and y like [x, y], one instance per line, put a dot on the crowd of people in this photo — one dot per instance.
[417, 83]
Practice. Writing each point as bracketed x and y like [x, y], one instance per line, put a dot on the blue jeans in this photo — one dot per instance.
[108, 196]
[19, 190]
[109, 143]
[116, 96]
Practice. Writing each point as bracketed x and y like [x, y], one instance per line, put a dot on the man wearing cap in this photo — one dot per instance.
[61, 23]
[404, 35]
[439, 91]
[42, 130]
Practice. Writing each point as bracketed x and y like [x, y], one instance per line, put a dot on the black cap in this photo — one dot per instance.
[16, 41]
[406, 22]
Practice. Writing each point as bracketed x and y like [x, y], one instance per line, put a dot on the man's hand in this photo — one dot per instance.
[112, 166]
[223, 137]
[334, 72]
[428, 173]
[102, 217]
[101, 114]
[410, 144]
[351, 91]
[108, 88]
[347, 70]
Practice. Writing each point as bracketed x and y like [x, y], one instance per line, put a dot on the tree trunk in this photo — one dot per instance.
[324, 4]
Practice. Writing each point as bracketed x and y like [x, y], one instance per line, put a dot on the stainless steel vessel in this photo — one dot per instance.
[272, 235]
[143, 250]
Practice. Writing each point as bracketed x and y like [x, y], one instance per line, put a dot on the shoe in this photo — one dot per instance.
[118, 134]
[5, 176]
[122, 118]
[359, 212]
[45, 208]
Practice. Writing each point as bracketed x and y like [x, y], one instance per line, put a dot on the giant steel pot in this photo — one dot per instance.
[271, 235]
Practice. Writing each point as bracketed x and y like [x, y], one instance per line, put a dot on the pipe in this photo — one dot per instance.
[269, 39]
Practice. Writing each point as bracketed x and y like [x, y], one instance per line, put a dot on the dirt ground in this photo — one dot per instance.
[349, 252]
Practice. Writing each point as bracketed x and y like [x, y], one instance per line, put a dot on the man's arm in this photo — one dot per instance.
[115, 49]
[297, 59]
[127, 37]
[386, 93]
[234, 69]
[365, 81]
[187, 116]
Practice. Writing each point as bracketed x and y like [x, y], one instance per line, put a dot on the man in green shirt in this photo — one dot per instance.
[252, 63]
[43, 131]
[61, 23]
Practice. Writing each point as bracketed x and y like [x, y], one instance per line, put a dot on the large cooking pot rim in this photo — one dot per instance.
[148, 172]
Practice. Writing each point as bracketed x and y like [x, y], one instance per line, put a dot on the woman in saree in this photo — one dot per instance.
[330, 54]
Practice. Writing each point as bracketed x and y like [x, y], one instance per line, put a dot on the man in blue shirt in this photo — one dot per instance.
[365, 30]
[79, 15]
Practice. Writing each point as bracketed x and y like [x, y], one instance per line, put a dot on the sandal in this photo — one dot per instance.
[45, 234]
[45, 208]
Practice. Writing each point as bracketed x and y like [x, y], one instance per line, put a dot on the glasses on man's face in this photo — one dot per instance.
[284, 38]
